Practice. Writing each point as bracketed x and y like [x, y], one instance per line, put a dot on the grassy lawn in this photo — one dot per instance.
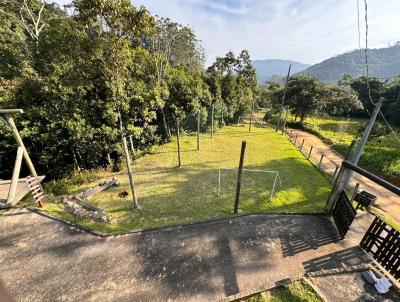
[294, 292]
[381, 154]
[170, 195]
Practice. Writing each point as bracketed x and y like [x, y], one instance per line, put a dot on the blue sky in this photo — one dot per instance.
[303, 30]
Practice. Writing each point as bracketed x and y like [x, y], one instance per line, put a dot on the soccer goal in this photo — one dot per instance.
[253, 180]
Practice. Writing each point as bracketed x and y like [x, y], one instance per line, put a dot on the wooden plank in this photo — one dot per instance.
[11, 111]
[22, 189]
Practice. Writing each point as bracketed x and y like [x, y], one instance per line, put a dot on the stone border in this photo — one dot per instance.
[135, 231]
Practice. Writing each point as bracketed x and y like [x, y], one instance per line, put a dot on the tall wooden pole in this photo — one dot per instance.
[14, 180]
[128, 165]
[278, 121]
[212, 120]
[132, 147]
[239, 178]
[284, 122]
[222, 114]
[177, 140]
[18, 138]
[198, 130]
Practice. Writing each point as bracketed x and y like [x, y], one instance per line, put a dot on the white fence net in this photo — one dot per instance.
[255, 183]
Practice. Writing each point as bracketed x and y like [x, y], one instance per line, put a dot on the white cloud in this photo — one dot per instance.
[304, 30]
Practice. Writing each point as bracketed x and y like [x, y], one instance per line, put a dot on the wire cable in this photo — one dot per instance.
[367, 66]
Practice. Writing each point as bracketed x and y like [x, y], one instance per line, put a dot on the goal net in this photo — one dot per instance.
[255, 184]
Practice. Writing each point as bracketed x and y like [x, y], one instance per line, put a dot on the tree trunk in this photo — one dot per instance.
[166, 128]
[109, 159]
[302, 117]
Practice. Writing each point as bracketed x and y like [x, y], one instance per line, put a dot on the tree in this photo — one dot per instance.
[175, 45]
[341, 101]
[304, 95]
[367, 96]
[233, 85]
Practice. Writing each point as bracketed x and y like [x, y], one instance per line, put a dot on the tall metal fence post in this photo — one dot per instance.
[239, 178]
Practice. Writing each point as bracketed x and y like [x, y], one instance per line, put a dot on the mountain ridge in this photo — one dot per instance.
[382, 62]
[269, 68]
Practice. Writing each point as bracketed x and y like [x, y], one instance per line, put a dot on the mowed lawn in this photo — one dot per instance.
[170, 195]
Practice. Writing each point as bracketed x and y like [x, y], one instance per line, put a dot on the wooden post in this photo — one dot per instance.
[21, 144]
[295, 139]
[284, 121]
[302, 144]
[239, 179]
[179, 146]
[222, 114]
[334, 174]
[212, 120]
[309, 154]
[128, 165]
[320, 161]
[132, 147]
[251, 116]
[336, 189]
[14, 180]
[355, 191]
[350, 150]
[198, 130]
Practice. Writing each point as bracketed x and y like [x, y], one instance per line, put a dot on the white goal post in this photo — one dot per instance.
[277, 176]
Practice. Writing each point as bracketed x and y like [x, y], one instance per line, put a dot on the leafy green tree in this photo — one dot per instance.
[304, 95]
[367, 96]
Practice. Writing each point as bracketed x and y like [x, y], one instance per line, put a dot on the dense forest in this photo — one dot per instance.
[77, 71]
[74, 71]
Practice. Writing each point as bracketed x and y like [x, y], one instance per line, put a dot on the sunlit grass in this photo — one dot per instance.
[294, 292]
[381, 154]
[170, 195]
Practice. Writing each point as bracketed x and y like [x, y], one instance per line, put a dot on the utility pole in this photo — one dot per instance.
[128, 164]
[361, 145]
[283, 100]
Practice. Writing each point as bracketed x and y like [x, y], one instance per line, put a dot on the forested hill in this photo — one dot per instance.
[383, 63]
[266, 69]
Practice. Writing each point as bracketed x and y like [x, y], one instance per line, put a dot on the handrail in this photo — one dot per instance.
[387, 185]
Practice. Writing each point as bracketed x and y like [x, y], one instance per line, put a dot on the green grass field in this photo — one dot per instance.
[381, 154]
[294, 292]
[170, 195]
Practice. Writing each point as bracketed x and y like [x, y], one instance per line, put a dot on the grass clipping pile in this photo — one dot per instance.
[78, 205]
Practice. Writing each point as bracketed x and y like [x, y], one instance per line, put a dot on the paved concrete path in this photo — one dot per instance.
[387, 202]
[45, 260]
